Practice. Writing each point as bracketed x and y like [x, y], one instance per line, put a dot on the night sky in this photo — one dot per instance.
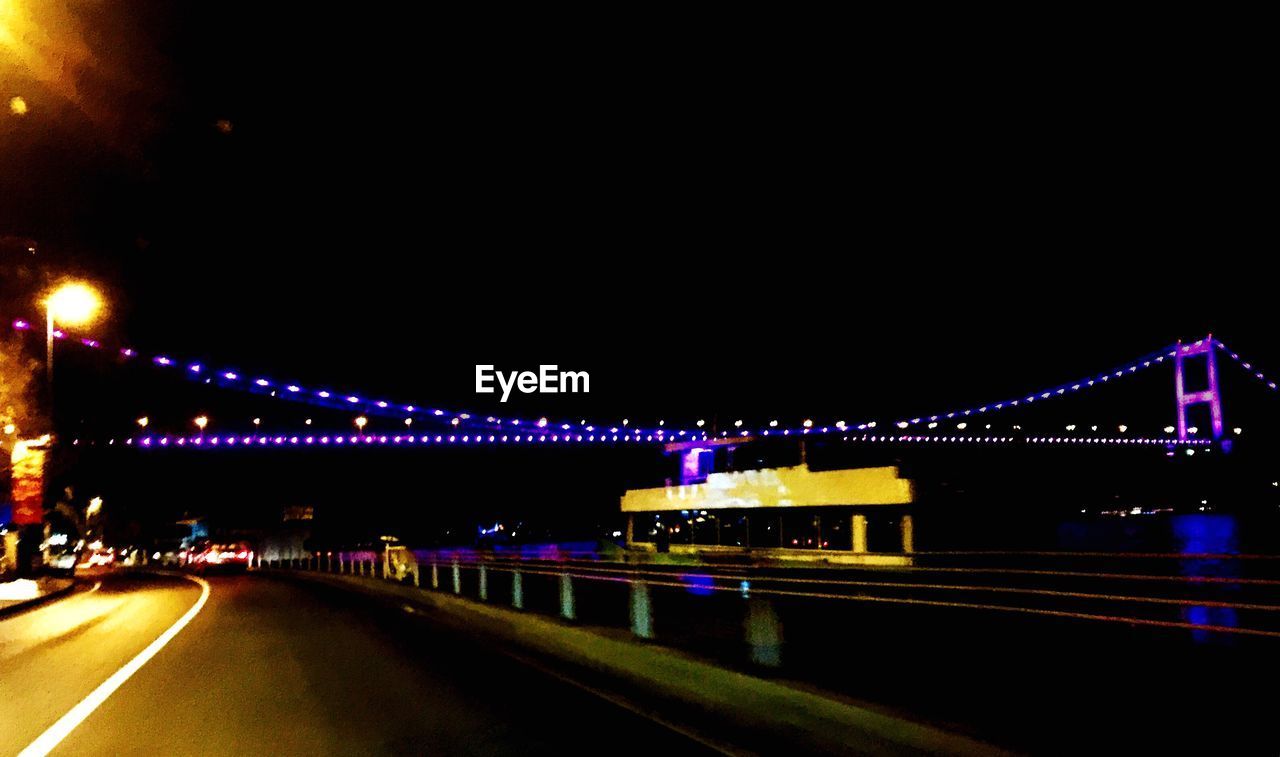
[340, 200]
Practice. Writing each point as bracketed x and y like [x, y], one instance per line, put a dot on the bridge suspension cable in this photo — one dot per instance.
[481, 426]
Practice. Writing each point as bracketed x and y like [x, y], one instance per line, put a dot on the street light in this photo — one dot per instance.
[95, 506]
[361, 422]
[143, 421]
[201, 422]
[73, 304]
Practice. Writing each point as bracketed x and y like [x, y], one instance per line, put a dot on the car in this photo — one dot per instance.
[211, 557]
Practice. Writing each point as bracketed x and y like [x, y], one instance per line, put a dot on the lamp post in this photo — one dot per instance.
[73, 304]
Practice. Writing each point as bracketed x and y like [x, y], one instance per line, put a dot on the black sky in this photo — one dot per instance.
[705, 235]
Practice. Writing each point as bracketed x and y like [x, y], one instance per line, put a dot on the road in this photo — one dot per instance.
[277, 667]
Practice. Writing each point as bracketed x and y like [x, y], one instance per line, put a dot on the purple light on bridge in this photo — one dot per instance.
[1209, 396]
[21, 325]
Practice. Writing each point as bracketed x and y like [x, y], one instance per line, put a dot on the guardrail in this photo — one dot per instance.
[1203, 593]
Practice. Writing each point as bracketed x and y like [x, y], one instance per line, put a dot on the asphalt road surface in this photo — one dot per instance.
[283, 668]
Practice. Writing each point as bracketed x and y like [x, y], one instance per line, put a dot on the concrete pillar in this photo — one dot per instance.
[764, 633]
[641, 611]
[631, 530]
[457, 578]
[859, 533]
[484, 583]
[342, 564]
[517, 590]
[567, 610]
[435, 576]
[415, 575]
[908, 534]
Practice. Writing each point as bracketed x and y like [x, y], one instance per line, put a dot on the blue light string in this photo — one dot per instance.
[1061, 390]
[464, 421]
[1246, 365]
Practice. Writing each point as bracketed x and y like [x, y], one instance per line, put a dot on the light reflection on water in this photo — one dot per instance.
[1207, 534]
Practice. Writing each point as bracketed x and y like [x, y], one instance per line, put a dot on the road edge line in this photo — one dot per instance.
[55, 733]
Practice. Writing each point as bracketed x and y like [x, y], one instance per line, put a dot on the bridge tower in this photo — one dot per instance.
[1209, 396]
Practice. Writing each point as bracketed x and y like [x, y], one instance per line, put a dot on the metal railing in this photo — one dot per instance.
[1179, 592]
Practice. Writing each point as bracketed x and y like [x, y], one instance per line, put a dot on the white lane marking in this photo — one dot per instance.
[76, 715]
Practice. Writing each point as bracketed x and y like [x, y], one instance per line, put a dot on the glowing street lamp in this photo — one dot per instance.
[143, 421]
[361, 422]
[201, 422]
[73, 304]
[95, 507]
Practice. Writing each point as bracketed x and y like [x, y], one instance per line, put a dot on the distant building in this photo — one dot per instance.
[289, 540]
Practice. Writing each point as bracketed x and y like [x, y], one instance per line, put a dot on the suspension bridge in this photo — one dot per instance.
[426, 425]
